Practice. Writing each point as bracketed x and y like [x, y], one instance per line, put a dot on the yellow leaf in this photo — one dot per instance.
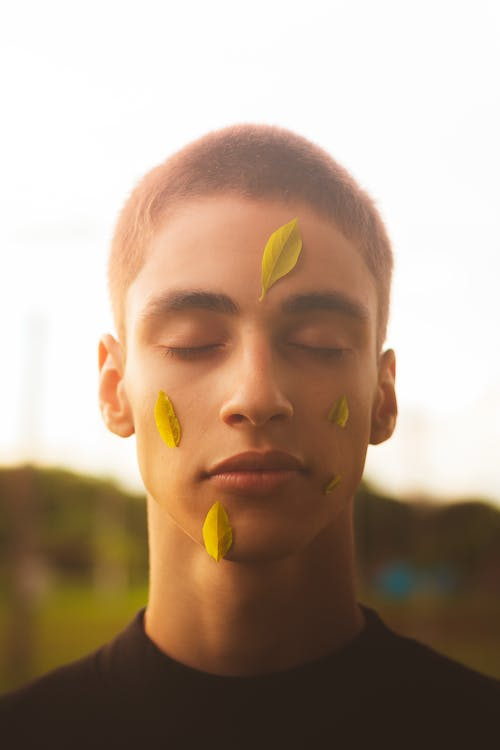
[280, 254]
[334, 482]
[217, 532]
[166, 421]
[339, 413]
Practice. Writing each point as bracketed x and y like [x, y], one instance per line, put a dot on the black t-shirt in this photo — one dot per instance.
[379, 691]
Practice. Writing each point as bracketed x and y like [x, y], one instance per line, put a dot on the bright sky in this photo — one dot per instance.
[405, 95]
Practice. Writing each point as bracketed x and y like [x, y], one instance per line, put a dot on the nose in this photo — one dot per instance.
[255, 396]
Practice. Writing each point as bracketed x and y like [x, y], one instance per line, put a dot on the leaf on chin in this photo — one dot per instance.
[217, 532]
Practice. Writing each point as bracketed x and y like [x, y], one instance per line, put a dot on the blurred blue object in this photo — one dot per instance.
[399, 580]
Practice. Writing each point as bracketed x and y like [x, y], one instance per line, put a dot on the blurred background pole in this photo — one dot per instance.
[110, 544]
[25, 568]
[22, 566]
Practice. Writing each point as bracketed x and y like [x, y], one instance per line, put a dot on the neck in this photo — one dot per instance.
[232, 618]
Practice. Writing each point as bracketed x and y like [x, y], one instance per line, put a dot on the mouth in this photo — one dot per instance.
[254, 472]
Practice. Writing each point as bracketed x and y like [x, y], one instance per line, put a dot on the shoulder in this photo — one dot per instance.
[65, 706]
[63, 685]
[423, 664]
[402, 688]
[59, 708]
[413, 671]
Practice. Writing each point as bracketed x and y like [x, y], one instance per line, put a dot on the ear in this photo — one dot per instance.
[113, 401]
[385, 406]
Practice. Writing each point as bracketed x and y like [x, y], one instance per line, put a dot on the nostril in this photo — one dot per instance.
[255, 403]
[236, 418]
[255, 419]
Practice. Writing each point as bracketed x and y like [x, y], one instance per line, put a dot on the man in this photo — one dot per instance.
[250, 278]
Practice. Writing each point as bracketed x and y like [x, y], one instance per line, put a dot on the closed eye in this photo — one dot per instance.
[190, 352]
[323, 352]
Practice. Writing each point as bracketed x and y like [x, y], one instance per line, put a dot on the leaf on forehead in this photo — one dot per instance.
[334, 482]
[217, 532]
[280, 254]
[339, 413]
[166, 421]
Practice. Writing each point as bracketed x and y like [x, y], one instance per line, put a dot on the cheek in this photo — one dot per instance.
[341, 449]
[169, 473]
[155, 458]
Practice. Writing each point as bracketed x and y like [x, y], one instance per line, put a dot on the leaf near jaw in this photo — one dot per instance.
[334, 482]
[217, 532]
[166, 421]
[280, 254]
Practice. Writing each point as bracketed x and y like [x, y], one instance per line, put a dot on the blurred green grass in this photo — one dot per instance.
[70, 621]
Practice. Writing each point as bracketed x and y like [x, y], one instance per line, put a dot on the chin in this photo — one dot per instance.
[252, 557]
[267, 549]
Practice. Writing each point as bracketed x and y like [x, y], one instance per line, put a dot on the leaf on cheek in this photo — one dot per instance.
[334, 482]
[339, 413]
[166, 421]
[217, 532]
[280, 254]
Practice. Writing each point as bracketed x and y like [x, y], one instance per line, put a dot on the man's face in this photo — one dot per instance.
[252, 377]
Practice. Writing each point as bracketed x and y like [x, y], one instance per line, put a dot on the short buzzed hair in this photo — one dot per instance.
[257, 162]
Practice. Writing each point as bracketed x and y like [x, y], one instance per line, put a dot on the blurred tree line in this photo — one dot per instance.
[452, 546]
[58, 528]
[55, 525]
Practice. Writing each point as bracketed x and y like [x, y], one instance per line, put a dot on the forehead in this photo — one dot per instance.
[215, 244]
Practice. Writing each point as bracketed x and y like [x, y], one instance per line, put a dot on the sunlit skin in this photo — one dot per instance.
[255, 376]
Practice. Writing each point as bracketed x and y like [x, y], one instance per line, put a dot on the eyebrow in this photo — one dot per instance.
[184, 300]
[159, 307]
[327, 301]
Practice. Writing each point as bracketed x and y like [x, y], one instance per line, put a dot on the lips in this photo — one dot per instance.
[252, 461]
[253, 472]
